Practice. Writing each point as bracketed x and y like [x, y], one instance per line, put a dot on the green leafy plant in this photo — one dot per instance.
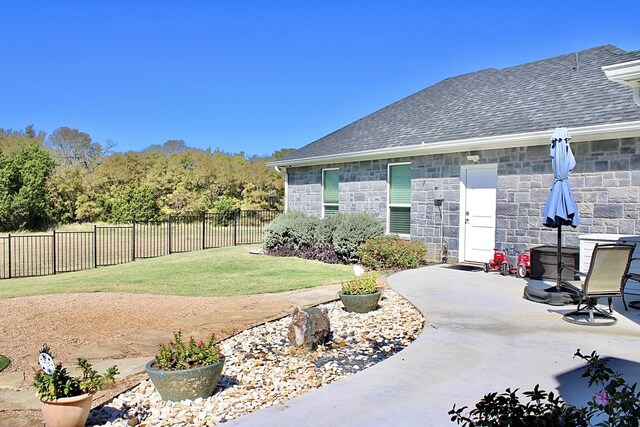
[505, 409]
[177, 355]
[617, 401]
[295, 229]
[4, 362]
[60, 384]
[391, 253]
[352, 231]
[225, 208]
[362, 285]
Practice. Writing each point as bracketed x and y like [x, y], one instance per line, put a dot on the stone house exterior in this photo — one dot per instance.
[466, 161]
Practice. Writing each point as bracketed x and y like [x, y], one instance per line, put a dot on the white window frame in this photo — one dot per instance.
[396, 205]
[322, 195]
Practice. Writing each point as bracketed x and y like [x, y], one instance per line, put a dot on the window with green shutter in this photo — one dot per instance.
[400, 199]
[330, 191]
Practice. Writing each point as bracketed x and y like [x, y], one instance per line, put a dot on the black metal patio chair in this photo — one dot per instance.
[607, 276]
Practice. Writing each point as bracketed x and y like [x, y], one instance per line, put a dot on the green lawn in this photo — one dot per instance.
[213, 272]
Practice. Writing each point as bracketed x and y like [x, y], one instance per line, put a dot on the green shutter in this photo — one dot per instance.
[330, 210]
[400, 184]
[400, 220]
[330, 180]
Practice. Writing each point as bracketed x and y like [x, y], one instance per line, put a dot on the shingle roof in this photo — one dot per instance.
[531, 97]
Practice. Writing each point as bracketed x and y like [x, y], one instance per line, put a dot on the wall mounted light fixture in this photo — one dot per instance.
[473, 158]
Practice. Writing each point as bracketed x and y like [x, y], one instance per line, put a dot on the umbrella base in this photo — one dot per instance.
[590, 315]
[552, 296]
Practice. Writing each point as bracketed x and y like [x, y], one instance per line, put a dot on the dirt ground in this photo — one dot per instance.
[70, 322]
[126, 326]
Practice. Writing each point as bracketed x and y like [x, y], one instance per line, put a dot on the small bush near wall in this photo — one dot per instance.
[391, 253]
[352, 231]
[294, 230]
[327, 229]
[332, 239]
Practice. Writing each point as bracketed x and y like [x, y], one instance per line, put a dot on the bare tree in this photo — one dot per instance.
[76, 148]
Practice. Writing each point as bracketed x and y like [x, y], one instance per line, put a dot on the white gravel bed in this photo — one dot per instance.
[261, 368]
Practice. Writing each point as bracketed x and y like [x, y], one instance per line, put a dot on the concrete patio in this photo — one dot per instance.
[480, 336]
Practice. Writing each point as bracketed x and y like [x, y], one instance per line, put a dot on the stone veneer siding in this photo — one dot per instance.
[605, 182]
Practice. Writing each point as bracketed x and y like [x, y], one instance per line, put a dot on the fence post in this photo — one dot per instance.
[235, 227]
[9, 255]
[95, 246]
[133, 239]
[54, 251]
[169, 235]
[204, 228]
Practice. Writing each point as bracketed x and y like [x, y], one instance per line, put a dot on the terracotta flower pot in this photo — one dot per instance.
[185, 384]
[360, 303]
[67, 411]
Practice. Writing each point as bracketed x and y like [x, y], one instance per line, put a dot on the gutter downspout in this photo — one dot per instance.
[286, 186]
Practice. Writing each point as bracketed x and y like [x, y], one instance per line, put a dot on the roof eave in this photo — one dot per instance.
[585, 133]
[627, 73]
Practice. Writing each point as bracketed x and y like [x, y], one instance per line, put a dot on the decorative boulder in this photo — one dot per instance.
[309, 327]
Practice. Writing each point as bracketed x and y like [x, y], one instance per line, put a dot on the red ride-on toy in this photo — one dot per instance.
[524, 264]
[501, 262]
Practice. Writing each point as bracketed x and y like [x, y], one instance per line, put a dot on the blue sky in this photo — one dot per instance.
[257, 76]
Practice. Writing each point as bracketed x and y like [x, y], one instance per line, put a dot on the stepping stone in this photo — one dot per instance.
[146, 341]
[98, 352]
[11, 380]
[314, 296]
[20, 421]
[18, 399]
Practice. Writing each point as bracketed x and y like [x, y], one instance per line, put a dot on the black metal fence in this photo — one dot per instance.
[64, 251]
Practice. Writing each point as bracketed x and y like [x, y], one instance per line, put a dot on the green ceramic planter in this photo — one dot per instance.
[185, 384]
[360, 303]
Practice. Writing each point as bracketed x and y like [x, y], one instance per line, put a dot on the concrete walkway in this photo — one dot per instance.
[480, 336]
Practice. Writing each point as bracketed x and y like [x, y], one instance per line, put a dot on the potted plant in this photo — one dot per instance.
[65, 400]
[360, 295]
[182, 370]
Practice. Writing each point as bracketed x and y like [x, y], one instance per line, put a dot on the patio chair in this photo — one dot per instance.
[607, 276]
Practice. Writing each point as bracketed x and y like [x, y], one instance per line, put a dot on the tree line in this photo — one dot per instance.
[66, 177]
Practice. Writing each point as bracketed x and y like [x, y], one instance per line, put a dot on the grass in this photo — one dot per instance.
[213, 272]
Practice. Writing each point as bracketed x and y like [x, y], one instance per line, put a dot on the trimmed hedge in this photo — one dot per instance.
[332, 239]
[352, 231]
[294, 229]
[392, 253]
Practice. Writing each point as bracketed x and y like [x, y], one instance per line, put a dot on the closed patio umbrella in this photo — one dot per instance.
[560, 208]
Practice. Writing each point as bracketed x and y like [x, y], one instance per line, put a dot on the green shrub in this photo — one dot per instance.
[391, 253]
[60, 384]
[351, 231]
[293, 229]
[327, 228]
[360, 285]
[4, 362]
[617, 404]
[139, 202]
[177, 355]
[225, 208]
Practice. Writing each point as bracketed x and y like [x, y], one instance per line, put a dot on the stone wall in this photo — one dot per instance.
[606, 185]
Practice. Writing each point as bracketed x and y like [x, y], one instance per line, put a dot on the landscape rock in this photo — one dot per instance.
[309, 327]
[261, 370]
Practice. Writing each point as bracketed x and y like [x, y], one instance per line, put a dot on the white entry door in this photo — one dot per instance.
[478, 212]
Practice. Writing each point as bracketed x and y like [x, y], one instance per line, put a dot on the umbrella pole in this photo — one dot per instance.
[559, 266]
